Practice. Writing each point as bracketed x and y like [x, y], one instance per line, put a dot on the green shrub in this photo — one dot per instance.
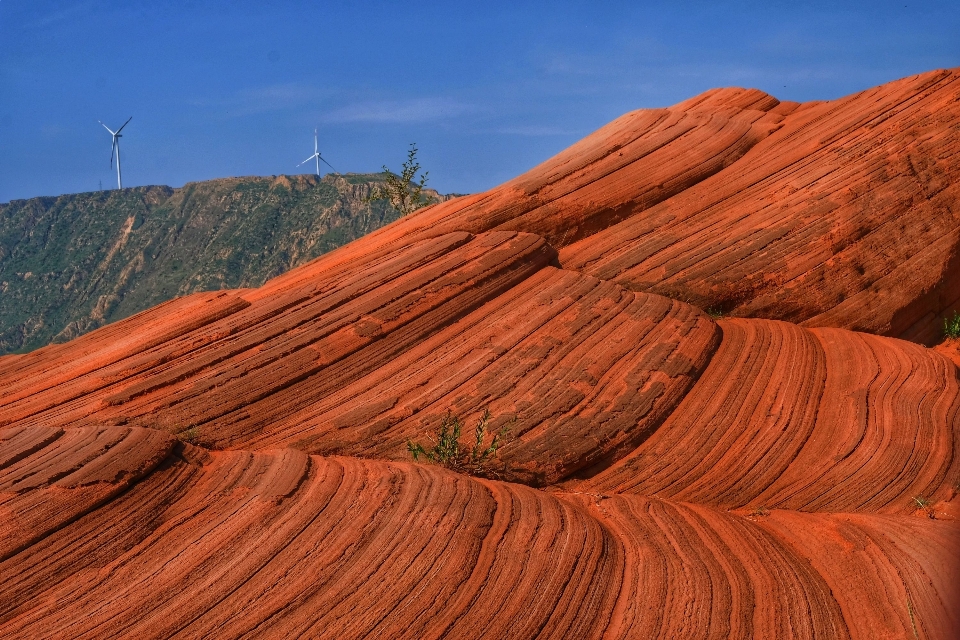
[447, 450]
[401, 191]
[951, 326]
[715, 313]
[189, 436]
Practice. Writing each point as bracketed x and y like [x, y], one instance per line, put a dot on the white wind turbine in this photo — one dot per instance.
[116, 147]
[316, 155]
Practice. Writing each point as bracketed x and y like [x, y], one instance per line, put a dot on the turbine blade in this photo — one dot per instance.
[325, 162]
[112, 149]
[125, 124]
[308, 159]
[107, 128]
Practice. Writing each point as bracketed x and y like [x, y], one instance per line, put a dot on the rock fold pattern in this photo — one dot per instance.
[235, 463]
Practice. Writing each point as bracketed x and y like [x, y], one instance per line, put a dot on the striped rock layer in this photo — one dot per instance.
[235, 463]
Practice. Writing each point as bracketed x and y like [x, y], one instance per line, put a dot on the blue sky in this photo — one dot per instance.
[487, 90]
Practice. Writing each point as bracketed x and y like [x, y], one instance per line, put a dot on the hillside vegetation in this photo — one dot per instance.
[72, 263]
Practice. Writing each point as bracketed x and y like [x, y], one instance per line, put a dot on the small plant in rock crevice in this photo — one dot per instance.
[715, 313]
[189, 436]
[174, 425]
[951, 326]
[925, 504]
[181, 432]
[447, 450]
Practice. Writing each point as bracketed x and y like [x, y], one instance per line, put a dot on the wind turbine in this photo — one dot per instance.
[316, 155]
[116, 147]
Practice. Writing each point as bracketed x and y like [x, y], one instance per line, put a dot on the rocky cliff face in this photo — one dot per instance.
[72, 263]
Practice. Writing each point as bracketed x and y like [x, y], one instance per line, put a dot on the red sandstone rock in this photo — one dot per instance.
[809, 420]
[561, 357]
[846, 216]
[741, 478]
[951, 349]
[279, 544]
[282, 544]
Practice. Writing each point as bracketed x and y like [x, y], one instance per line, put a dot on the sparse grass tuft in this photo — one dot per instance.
[926, 504]
[760, 511]
[174, 425]
[448, 452]
[951, 326]
[189, 436]
[715, 313]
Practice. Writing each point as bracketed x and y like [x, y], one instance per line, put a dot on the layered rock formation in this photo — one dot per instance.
[235, 464]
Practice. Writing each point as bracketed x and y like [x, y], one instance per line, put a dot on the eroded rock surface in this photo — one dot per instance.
[235, 464]
[847, 216]
[278, 543]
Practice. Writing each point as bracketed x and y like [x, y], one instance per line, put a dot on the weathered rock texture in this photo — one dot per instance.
[846, 216]
[234, 463]
[162, 539]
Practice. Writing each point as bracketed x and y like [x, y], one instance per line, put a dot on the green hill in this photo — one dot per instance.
[72, 263]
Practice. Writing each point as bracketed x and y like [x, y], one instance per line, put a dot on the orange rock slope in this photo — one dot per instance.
[235, 463]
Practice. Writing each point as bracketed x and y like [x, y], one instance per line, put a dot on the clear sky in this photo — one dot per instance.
[486, 89]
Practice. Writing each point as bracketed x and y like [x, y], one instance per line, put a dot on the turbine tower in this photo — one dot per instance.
[116, 147]
[316, 155]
